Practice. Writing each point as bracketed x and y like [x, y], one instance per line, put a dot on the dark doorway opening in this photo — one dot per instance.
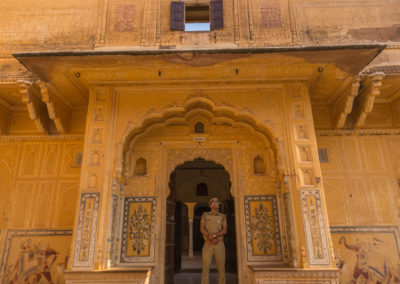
[181, 260]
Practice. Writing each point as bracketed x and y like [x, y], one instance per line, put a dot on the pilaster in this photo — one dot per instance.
[90, 230]
[306, 187]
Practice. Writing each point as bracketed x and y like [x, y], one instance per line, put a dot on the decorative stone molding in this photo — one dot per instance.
[351, 132]
[294, 276]
[135, 275]
[40, 137]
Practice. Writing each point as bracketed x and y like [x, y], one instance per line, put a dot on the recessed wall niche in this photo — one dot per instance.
[259, 165]
[140, 167]
[199, 127]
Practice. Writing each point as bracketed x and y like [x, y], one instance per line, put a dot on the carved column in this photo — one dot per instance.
[190, 206]
[306, 187]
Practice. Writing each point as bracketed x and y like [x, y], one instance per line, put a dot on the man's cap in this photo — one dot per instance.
[212, 200]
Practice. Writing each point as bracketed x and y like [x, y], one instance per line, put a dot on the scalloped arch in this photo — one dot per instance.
[192, 107]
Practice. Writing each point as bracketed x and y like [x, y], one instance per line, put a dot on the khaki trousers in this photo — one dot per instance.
[218, 250]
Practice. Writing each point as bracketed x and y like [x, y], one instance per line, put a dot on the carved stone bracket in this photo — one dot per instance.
[371, 88]
[37, 110]
[344, 104]
[58, 110]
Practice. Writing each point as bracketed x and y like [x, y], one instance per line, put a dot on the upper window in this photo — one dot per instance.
[197, 17]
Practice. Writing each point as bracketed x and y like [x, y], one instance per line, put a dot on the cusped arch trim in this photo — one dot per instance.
[195, 105]
[201, 178]
[219, 156]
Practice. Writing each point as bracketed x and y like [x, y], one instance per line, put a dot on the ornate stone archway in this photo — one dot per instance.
[222, 156]
[227, 152]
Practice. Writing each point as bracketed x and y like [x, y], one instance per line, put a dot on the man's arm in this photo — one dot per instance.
[222, 232]
[204, 231]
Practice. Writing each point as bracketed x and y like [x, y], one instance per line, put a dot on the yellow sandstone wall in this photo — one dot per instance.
[65, 25]
[362, 189]
[40, 181]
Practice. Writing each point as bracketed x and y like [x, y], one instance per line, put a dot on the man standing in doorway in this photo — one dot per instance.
[213, 226]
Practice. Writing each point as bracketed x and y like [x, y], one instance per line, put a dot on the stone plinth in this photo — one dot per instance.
[287, 275]
[135, 276]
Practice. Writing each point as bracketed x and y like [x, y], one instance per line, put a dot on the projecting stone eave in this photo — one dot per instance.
[72, 72]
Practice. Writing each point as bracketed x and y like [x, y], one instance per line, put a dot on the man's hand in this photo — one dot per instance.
[214, 241]
[210, 237]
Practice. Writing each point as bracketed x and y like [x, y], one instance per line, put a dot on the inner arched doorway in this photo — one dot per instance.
[192, 184]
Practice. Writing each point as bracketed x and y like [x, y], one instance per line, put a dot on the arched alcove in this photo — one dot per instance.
[195, 110]
[167, 141]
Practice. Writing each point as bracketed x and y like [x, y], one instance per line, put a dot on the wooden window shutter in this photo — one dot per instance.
[217, 14]
[178, 16]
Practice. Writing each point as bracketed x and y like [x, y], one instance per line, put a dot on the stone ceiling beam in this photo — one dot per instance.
[36, 109]
[371, 88]
[58, 111]
[343, 105]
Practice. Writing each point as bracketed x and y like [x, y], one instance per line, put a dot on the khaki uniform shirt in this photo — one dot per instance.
[213, 223]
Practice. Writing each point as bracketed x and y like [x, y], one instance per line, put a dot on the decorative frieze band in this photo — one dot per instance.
[40, 137]
[349, 132]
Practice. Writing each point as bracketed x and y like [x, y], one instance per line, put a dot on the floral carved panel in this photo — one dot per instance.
[262, 229]
[138, 230]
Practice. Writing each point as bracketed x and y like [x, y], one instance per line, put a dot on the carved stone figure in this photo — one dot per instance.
[304, 154]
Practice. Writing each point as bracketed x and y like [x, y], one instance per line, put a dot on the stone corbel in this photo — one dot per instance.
[36, 109]
[58, 111]
[344, 104]
[371, 88]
